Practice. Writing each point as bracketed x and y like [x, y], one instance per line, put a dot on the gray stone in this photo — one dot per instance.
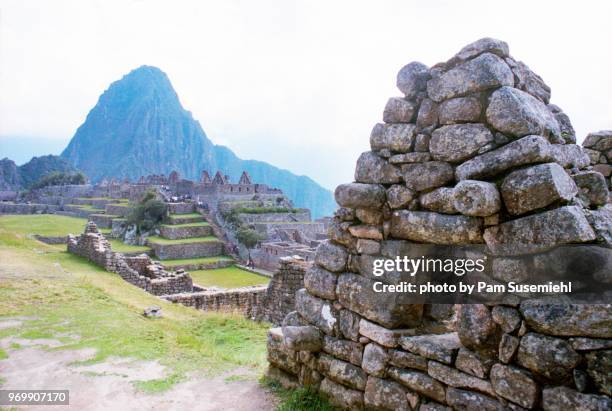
[605, 169]
[593, 187]
[508, 318]
[515, 385]
[599, 140]
[457, 379]
[366, 231]
[375, 360]
[601, 221]
[293, 318]
[331, 256]
[384, 395]
[566, 399]
[570, 155]
[320, 282]
[427, 120]
[536, 187]
[302, 338]
[399, 110]
[589, 344]
[458, 142]
[346, 350]
[485, 72]
[382, 335]
[424, 176]
[516, 113]
[485, 44]
[339, 233]
[476, 198]
[554, 318]
[599, 368]
[391, 311]
[440, 200]
[342, 372]
[433, 406]
[539, 232]
[565, 125]
[356, 195]
[341, 396]
[528, 81]
[470, 401]
[371, 168]
[527, 150]
[316, 311]
[409, 158]
[594, 155]
[399, 196]
[507, 348]
[369, 216]
[429, 227]
[439, 347]
[395, 137]
[404, 359]
[419, 382]
[345, 214]
[581, 380]
[460, 110]
[475, 327]
[412, 79]
[473, 363]
[279, 355]
[349, 324]
[370, 247]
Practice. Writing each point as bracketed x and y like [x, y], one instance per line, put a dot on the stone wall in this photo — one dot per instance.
[177, 232]
[187, 250]
[11, 208]
[598, 146]
[245, 300]
[140, 271]
[302, 216]
[473, 154]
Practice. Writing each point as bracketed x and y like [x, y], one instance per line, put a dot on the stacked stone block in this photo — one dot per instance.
[598, 146]
[472, 154]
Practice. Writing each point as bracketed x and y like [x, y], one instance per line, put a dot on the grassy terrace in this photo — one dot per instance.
[200, 224]
[42, 224]
[190, 215]
[120, 247]
[63, 296]
[87, 207]
[230, 277]
[202, 260]
[114, 200]
[160, 240]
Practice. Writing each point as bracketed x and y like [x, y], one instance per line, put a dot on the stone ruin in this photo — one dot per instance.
[140, 270]
[473, 154]
[599, 148]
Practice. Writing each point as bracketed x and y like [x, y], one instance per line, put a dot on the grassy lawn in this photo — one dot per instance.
[200, 224]
[202, 260]
[42, 224]
[64, 295]
[230, 277]
[190, 215]
[121, 247]
[160, 240]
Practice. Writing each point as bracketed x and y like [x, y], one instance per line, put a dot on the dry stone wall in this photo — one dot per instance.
[472, 154]
[598, 146]
[140, 271]
[244, 300]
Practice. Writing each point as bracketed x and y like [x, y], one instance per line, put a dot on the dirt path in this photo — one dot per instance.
[108, 385]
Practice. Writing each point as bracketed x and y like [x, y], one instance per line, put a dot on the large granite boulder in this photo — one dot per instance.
[458, 142]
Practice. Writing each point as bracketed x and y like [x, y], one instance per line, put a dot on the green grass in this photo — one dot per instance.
[42, 224]
[160, 240]
[87, 207]
[190, 215]
[301, 399]
[63, 295]
[202, 260]
[229, 277]
[3, 354]
[200, 224]
[121, 247]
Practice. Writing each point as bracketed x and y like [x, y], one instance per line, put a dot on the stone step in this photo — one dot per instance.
[175, 219]
[182, 231]
[186, 248]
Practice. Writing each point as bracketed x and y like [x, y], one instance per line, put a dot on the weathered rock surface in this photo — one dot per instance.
[570, 155]
[403, 359]
[515, 385]
[528, 81]
[423, 176]
[473, 363]
[508, 318]
[343, 349]
[412, 79]
[374, 169]
[599, 368]
[320, 282]
[399, 110]
[483, 45]
[599, 140]
[593, 187]
[341, 396]
[527, 150]
[460, 110]
[475, 327]
[476, 198]
[382, 335]
[440, 200]
[471, 401]
[563, 398]
[555, 318]
[342, 372]
[536, 187]
[439, 347]
[457, 379]
[482, 73]
[409, 158]
[420, 383]
[375, 360]
[549, 357]
[518, 114]
[399, 196]
[458, 142]
[356, 195]
[435, 228]
[316, 311]
[302, 338]
[385, 395]
[395, 137]
[539, 232]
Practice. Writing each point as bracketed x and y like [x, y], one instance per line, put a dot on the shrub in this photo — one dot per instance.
[57, 178]
[148, 214]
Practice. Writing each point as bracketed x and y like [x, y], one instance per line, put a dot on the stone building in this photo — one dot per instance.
[473, 154]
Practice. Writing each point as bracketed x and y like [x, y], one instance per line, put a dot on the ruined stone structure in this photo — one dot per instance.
[599, 148]
[473, 154]
[140, 271]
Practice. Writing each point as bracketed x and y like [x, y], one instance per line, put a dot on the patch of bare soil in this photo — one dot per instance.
[109, 385]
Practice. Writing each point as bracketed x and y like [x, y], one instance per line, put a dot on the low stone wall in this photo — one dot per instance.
[120, 210]
[598, 146]
[181, 208]
[279, 299]
[12, 208]
[302, 216]
[176, 232]
[204, 266]
[139, 271]
[246, 300]
[102, 220]
[187, 250]
[308, 229]
[51, 239]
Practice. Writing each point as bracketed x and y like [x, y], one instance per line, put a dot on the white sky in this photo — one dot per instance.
[296, 83]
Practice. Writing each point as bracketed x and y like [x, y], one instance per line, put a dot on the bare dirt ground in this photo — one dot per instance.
[109, 385]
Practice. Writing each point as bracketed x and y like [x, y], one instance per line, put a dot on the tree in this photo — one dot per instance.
[148, 213]
[249, 238]
[60, 178]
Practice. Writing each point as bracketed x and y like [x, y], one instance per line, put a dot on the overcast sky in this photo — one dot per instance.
[298, 84]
